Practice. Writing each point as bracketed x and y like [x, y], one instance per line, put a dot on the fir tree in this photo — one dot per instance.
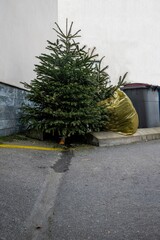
[68, 85]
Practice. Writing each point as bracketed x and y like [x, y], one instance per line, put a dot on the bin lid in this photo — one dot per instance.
[140, 85]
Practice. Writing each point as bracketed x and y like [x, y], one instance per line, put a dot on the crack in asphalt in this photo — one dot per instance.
[62, 165]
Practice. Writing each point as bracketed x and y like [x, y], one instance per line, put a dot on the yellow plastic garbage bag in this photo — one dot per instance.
[123, 117]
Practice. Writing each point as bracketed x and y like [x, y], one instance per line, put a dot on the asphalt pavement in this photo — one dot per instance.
[27, 189]
[110, 193]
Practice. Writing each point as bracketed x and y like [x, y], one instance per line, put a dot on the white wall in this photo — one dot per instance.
[127, 32]
[25, 25]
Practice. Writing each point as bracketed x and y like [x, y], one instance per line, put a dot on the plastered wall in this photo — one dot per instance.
[25, 25]
[126, 32]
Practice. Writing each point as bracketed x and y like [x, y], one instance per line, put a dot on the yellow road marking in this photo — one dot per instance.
[30, 147]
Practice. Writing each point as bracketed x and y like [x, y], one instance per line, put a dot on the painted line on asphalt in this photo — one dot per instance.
[30, 147]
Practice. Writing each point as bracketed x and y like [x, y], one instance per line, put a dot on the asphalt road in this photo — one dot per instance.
[27, 190]
[96, 193]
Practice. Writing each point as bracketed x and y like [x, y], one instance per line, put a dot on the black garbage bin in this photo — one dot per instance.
[145, 99]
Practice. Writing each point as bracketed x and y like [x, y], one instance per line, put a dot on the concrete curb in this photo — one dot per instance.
[106, 139]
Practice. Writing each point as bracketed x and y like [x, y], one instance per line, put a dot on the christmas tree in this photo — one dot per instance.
[68, 85]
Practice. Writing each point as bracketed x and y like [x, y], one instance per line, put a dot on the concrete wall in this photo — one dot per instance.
[11, 99]
[25, 25]
[127, 32]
